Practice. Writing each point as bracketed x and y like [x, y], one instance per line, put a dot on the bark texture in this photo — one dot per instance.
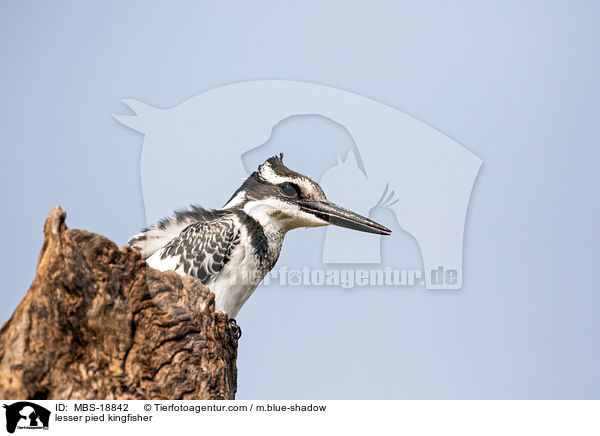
[98, 323]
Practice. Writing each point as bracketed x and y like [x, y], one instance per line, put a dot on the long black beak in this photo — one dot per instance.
[337, 215]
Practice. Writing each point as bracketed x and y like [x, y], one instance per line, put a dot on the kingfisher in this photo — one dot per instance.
[230, 250]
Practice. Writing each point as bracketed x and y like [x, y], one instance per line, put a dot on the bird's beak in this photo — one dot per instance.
[337, 215]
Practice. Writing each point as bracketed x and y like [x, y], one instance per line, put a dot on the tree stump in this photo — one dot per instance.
[98, 323]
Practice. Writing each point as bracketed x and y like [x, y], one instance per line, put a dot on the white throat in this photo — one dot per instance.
[277, 215]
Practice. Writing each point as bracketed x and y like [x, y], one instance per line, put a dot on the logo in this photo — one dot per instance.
[411, 177]
[26, 415]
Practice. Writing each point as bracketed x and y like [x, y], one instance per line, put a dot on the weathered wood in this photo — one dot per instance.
[98, 323]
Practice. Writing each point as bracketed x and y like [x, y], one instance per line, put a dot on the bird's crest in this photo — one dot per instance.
[274, 171]
[273, 161]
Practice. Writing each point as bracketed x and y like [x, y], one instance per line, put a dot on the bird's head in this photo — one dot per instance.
[276, 195]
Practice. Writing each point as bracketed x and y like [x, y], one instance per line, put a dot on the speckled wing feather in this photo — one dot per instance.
[152, 239]
[203, 248]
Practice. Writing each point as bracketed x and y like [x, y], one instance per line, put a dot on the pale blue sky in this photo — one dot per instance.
[514, 82]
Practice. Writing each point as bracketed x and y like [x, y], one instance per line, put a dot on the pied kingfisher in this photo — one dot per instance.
[231, 249]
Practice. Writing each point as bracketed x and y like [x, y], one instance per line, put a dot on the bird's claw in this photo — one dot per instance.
[237, 330]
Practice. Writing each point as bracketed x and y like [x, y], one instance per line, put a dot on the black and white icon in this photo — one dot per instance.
[26, 415]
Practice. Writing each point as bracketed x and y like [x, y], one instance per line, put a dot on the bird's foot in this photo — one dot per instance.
[237, 330]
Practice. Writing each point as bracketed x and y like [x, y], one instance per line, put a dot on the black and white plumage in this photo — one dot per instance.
[231, 249]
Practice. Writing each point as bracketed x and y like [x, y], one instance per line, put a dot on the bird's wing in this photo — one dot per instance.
[155, 237]
[201, 250]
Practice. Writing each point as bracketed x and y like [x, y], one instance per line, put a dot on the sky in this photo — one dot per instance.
[513, 82]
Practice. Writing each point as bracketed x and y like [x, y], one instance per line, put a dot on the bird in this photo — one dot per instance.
[231, 249]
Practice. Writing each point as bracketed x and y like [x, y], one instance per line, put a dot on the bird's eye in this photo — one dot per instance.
[289, 190]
